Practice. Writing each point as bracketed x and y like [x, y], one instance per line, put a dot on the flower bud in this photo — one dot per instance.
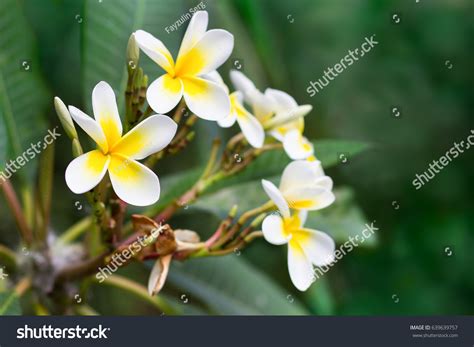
[133, 54]
[65, 118]
[76, 148]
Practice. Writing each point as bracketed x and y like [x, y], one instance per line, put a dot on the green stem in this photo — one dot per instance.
[76, 230]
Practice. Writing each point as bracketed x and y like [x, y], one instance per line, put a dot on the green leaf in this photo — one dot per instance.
[319, 298]
[107, 27]
[9, 304]
[230, 286]
[23, 94]
[272, 163]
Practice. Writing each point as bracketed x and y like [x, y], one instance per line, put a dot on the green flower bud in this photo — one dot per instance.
[76, 148]
[133, 54]
[65, 118]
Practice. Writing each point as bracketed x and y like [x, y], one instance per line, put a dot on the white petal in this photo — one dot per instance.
[275, 195]
[252, 129]
[215, 77]
[284, 102]
[106, 112]
[150, 136]
[158, 274]
[133, 182]
[86, 171]
[319, 247]
[155, 49]
[309, 198]
[90, 126]
[324, 182]
[273, 231]
[300, 173]
[228, 121]
[241, 82]
[196, 29]
[186, 235]
[302, 215]
[299, 266]
[212, 50]
[206, 99]
[164, 93]
[297, 146]
[283, 122]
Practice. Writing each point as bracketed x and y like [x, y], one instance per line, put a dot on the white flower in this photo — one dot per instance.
[276, 110]
[303, 186]
[248, 123]
[306, 247]
[201, 52]
[133, 182]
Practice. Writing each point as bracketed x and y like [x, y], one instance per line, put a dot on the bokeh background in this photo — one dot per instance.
[422, 257]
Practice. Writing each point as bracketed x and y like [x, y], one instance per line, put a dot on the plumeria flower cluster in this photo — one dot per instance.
[303, 187]
[192, 79]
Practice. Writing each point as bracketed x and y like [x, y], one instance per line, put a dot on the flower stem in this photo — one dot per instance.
[15, 207]
[76, 230]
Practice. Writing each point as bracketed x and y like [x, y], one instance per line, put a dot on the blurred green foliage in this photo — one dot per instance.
[72, 44]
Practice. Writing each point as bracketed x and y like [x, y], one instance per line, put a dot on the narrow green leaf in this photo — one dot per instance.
[9, 304]
[23, 94]
[230, 286]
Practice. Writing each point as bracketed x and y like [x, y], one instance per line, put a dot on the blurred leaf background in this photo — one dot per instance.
[70, 45]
